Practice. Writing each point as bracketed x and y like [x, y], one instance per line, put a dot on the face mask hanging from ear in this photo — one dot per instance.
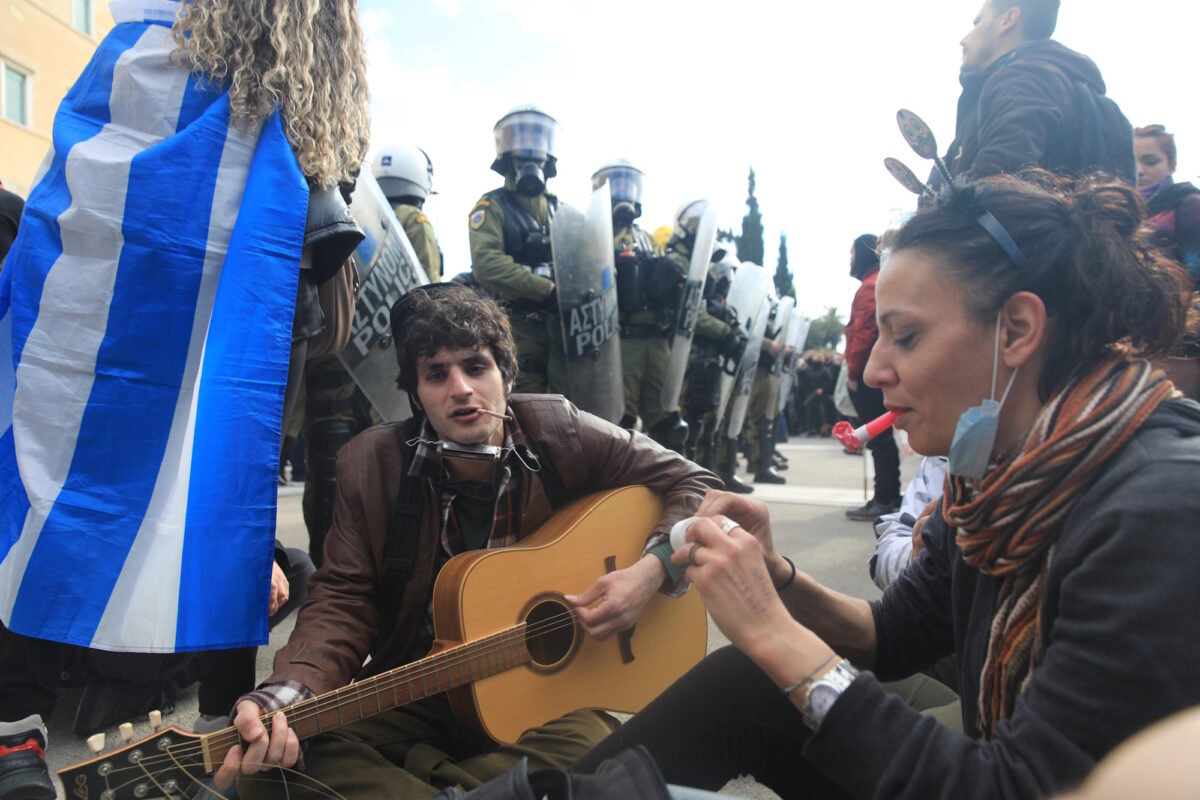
[975, 434]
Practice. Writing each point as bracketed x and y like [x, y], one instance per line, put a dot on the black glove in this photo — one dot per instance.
[550, 303]
[735, 345]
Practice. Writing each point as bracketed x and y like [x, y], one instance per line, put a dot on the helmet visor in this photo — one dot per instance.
[528, 134]
[625, 183]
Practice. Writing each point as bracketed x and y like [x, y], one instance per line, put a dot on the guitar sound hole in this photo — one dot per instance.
[551, 633]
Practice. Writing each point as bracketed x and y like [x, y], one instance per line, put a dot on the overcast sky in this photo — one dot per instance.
[696, 93]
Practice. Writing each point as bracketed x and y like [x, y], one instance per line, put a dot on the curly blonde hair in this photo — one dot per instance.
[303, 57]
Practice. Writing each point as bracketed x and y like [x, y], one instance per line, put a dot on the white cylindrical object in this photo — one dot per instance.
[679, 531]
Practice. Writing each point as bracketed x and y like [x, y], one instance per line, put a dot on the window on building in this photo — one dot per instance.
[16, 95]
[83, 16]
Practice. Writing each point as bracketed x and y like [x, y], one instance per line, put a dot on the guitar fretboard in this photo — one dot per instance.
[450, 668]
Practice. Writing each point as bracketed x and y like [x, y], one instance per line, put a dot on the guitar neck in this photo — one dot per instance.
[447, 669]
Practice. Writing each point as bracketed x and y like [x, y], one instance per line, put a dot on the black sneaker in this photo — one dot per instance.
[23, 773]
[873, 510]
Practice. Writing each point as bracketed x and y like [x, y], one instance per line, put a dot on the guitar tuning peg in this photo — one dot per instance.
[95, 742]
[126, 729]
[155, 719]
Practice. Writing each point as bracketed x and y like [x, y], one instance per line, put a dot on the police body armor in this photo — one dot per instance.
[526, 242]
[637, 270]
[388, 268]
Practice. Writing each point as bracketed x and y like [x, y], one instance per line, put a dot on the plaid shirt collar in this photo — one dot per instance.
[427, 464]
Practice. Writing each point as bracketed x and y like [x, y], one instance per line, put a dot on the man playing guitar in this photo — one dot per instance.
[476, 468]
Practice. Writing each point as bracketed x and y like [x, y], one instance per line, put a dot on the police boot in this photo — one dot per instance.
[726, 470]
[764, 472]
[325, 438]
[671, 433]
[779, 461]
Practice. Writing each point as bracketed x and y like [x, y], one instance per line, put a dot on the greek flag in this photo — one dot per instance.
[145, 323]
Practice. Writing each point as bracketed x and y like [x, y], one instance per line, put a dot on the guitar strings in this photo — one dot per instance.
[387, 681]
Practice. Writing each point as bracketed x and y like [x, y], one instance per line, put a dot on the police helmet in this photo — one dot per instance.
[687, 222]
[403, 170]
[526, 132]
[624, 181]
[724, 261]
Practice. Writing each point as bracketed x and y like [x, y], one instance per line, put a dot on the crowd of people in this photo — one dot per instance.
[1033, 326]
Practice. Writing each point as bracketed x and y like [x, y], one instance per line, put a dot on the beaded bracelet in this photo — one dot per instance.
[791, 577]
[791, 687]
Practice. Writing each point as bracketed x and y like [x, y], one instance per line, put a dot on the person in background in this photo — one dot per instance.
[11, 206]
[861, 333]
[1174, 207]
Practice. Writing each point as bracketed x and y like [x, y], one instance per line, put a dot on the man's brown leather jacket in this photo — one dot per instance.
[343, 620]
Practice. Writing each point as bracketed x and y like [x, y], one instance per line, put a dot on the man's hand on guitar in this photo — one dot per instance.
[279, 748]
[615, 601]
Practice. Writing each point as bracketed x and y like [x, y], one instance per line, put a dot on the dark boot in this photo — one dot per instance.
[763, 471]
[726, 470]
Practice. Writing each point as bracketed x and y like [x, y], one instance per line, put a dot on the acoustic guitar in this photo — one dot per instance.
[510, 651]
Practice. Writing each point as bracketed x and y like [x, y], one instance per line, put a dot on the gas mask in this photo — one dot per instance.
[623, 214]
[530, 176]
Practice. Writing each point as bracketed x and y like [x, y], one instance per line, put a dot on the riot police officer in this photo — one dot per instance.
[510, 245]
[718, 344]
[648, 289]
[334, 409]
[764, 399]
[405, 174]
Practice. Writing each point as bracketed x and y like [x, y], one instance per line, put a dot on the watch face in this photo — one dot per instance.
[823, 697]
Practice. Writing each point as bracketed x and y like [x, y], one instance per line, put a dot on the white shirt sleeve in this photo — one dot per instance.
[893, 532]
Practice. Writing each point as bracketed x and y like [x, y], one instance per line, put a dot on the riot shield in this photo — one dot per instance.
[746, 296]
[794, 336]
[745, 379]
[584, 278]
[387, 268]
[689, 306]
[783, 315]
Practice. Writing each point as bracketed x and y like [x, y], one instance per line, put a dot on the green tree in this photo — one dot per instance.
[750, 245]
[825, 331]
[784, 285]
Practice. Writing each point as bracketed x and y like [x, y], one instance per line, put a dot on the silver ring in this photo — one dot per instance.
[728, 525]
[692, 555]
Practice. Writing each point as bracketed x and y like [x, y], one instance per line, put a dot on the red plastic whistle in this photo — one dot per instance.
[854, 438]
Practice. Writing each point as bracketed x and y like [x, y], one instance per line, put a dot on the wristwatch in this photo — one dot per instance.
[826, 689]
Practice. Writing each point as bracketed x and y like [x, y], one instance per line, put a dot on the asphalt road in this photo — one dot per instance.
[809, 523]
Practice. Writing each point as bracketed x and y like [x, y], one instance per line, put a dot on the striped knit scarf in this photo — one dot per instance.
[1008, 521]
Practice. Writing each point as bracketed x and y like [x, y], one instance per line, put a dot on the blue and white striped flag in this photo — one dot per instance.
[145, 323]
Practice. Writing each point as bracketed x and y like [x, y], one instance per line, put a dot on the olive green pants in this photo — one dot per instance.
[540, 354]
[418, 750]
[643, 367]
[760, 410]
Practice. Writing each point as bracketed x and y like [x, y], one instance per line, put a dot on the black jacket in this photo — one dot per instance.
[1021, 111]
[1119, 628]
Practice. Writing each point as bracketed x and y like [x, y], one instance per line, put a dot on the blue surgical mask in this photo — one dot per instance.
[975, 434]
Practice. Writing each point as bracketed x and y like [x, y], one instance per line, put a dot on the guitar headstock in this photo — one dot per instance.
[163, 764]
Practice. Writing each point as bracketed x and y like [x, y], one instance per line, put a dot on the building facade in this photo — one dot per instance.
[44, 45]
